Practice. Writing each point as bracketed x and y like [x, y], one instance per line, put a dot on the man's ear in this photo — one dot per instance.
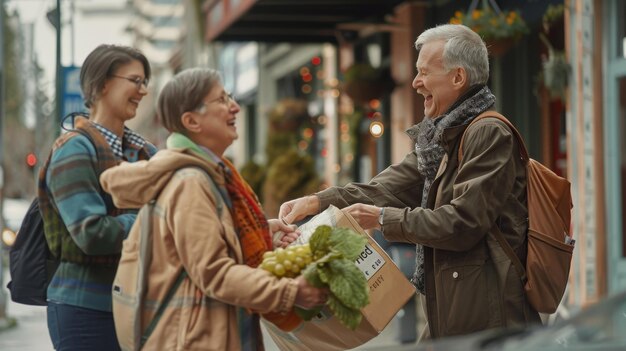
[190, 122]
[460, 77]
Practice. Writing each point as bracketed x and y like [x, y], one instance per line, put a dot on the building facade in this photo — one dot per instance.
[597, 129]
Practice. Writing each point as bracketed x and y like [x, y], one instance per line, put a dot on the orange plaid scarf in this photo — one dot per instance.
[248, 217]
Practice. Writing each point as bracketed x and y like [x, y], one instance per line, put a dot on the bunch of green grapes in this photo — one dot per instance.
[288, 262]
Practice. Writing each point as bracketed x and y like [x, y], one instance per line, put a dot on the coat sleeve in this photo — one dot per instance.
[75, 191]
[399, 185]
[208, 249]
[481, 187]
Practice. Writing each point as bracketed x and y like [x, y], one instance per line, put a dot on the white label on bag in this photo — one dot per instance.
[369, 261]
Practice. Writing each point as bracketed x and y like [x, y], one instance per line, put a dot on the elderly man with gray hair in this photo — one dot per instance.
[450, 208]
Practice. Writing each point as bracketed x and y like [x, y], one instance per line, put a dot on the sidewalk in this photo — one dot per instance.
[31, 331]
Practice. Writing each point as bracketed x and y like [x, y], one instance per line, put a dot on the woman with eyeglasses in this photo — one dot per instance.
[209, 225]
[83, 228]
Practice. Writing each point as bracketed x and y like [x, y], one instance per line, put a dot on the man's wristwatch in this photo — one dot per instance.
[380, 217]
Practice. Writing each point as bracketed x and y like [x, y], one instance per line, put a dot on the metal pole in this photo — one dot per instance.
[58, 65]
[3, 297]
[73, 13]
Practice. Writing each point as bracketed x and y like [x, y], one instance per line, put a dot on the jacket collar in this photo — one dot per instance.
[212, 163]
[450, 134]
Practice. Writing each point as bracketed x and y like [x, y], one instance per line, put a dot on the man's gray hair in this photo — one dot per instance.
[463, 48]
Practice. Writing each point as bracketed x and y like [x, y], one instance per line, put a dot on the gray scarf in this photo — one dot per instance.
[430, 152]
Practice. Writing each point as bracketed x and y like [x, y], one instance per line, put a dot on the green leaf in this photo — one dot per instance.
[319, 241]
[307, 315]
[335, 250]
[312, 276]
[347, 242]
[349, 317]
[348, 284]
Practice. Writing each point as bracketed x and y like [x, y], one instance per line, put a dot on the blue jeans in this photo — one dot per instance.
[76, 328]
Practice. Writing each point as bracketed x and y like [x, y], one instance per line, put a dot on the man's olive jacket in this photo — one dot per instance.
[471, 284]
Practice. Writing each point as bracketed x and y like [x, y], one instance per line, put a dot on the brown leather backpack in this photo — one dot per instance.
[550, 243]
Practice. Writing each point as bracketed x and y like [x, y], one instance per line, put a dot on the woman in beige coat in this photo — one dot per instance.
[218, 249]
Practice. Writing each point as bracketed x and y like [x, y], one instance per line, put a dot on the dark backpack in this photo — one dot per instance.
[550, 243]
[31, 263]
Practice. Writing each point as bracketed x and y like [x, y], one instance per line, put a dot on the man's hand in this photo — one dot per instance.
[295, 210]
[282, 234]
[365, 215]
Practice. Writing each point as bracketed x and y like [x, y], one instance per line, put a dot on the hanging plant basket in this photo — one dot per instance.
[499, 47]
[364, 83]
[499, 29]
[555, 70]
[363, 92]
[288, 114]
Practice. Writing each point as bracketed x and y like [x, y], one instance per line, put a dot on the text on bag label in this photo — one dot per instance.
[369, 261]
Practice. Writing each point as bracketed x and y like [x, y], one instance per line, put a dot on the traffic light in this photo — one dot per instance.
[31, 159]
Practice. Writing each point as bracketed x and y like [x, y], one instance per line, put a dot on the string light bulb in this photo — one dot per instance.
[376, 129]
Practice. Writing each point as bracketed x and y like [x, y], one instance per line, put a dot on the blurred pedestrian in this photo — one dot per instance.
[218, 249]
[83, 228]
[446, 208]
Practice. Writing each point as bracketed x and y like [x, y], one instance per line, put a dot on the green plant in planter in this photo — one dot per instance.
[288, 115]
[291, 175]
[556, 70]
[554, 13]
[254, 174]
[278, 142]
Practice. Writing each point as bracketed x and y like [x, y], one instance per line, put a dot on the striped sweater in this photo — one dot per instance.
[82, 226]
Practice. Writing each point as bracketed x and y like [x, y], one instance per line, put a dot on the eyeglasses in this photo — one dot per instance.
[225, 100]
[138, 81]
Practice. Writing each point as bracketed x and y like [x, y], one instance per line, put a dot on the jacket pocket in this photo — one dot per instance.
[465, 305]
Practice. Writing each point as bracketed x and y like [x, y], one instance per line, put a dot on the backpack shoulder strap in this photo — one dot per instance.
[218, 195]
[519, 267]
[493, 114]
[146, 258]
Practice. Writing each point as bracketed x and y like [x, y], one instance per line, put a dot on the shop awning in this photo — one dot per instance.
[291, 20]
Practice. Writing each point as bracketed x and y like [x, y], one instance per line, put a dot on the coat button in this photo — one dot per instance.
[455, 275]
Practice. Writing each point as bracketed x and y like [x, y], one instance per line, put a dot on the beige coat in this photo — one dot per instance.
[187, 234]
[471, 284]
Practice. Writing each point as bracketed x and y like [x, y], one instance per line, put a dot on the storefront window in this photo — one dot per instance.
[622, 132]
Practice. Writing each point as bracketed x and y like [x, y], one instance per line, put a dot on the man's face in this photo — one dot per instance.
[433, 82]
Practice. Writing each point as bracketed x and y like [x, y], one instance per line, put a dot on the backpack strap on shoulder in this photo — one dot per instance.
[519, 267]
[145, 257]
[218, 195]
[493, 114]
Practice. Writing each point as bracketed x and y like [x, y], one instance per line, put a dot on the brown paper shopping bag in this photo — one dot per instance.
[389, 292]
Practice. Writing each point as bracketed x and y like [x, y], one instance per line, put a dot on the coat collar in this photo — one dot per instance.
[449, 134]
